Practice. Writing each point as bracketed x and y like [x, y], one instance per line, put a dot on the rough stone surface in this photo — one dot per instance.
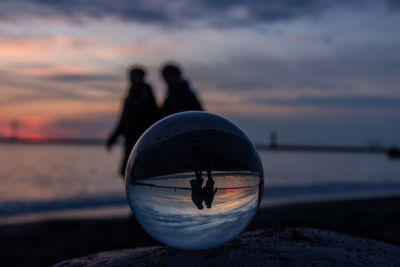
[283, 247]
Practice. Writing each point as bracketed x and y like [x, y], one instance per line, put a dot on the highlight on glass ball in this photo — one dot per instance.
[194, 180]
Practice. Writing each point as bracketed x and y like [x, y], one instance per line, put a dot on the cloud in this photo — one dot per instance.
[393, 4]
[41, 49]
[352, 101]
[79, 10]
[176, 13]
[370, 69]
[82, 78]
[91, 88]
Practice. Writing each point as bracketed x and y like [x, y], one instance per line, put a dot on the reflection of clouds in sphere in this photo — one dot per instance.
[194, 180]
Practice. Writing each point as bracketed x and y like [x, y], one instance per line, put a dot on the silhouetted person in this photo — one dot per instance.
[139, 112]
[206, 193]
[209, 191]
[180, 97]
[197, 191]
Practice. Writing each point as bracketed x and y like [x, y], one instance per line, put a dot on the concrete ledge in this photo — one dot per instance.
[283, 247]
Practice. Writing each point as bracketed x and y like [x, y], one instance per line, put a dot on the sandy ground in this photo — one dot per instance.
[46, 243]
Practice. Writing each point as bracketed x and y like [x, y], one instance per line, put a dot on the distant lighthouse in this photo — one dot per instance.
[273, 140]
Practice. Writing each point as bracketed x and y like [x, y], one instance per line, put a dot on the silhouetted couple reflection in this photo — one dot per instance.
[199, 193]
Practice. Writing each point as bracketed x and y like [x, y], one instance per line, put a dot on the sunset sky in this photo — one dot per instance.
[314, 71]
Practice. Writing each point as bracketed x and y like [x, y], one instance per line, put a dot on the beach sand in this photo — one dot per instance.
[48, 242]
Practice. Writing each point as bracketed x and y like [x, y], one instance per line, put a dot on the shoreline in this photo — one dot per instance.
[48, 242]
[116, 206]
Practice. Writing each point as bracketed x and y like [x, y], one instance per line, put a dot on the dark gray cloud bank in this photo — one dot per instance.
[346, 71]
[179, 13]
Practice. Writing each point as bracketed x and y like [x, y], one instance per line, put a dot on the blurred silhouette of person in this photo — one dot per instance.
[139, 112]
[180, 97]
[197, 191]
[209, 191]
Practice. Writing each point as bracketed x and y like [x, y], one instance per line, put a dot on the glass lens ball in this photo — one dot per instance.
[194, 180]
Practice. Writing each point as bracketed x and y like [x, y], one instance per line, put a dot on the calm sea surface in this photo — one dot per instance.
[36, 180]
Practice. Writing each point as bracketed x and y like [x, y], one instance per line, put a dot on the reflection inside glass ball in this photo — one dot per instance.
[194, 181]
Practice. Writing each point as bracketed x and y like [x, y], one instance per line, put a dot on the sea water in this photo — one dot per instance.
[38, 179]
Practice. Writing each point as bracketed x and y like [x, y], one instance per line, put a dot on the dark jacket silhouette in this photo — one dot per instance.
[180, 97]
[209, 191]
[197, 192]
[139, 113]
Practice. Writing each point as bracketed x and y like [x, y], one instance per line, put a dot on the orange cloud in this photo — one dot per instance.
[50, 70]
[54, 109]
[77, 49]
[22, 49]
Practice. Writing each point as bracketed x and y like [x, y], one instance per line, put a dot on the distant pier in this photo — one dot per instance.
[320, 148]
